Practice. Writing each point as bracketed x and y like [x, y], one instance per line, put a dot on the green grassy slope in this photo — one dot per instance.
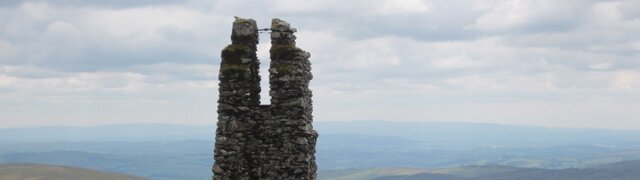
[54, 172]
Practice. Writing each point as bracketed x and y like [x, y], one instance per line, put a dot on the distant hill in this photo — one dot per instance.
[370, 173]
[421, 176]
[165, 164]
[105, 133]
[626, 170]
[450, 135]
[176, 152]
[54, 172]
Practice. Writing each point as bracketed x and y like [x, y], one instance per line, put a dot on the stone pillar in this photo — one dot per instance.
[256, 141]
[239, 90]
[291, 120]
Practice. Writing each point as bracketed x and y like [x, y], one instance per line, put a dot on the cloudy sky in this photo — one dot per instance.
[570, 63]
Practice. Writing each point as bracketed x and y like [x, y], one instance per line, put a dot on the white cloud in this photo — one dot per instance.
[107, 97]
[372, 53]
[61, 27]
[627, 80]
[7, 50]
[601, 66]
[455, 62]
[80, 82]
[518, 15]
[6, 81]
[480, 61]
[37, 11]
[146, 23]
[90, 38]
[628, 9]
[388, 7]
[360, 7]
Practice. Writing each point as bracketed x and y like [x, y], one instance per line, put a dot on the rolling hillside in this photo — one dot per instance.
[626, 170]
[55, 172]
[176, 152]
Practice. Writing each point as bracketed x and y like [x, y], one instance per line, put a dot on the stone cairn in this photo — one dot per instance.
[256, 141]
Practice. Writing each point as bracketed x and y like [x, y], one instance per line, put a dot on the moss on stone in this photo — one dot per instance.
[236, 67]
[285, 68]
[234, 71]
[232, 65]
[244, 39]
[283, 51]
[233, 54]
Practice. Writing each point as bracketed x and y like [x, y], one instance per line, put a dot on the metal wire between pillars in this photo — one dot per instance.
[268, 30]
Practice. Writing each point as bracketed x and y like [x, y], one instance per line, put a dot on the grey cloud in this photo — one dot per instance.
[411, 27]
[445, 21]
[442, 22]
[31, 72]
[523, 17]
[97, 3]
[629, 9]
[373, 62]
[95, 58]
[63, 40]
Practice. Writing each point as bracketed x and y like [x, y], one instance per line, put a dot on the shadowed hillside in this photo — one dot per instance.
[54, 172]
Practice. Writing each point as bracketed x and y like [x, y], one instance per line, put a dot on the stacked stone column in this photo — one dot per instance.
[239, 90]
[274, 141]
[290, 73]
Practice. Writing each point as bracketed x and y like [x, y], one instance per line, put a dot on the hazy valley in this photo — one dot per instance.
[346, 150]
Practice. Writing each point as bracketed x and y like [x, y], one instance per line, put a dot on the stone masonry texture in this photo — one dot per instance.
[254, 141]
